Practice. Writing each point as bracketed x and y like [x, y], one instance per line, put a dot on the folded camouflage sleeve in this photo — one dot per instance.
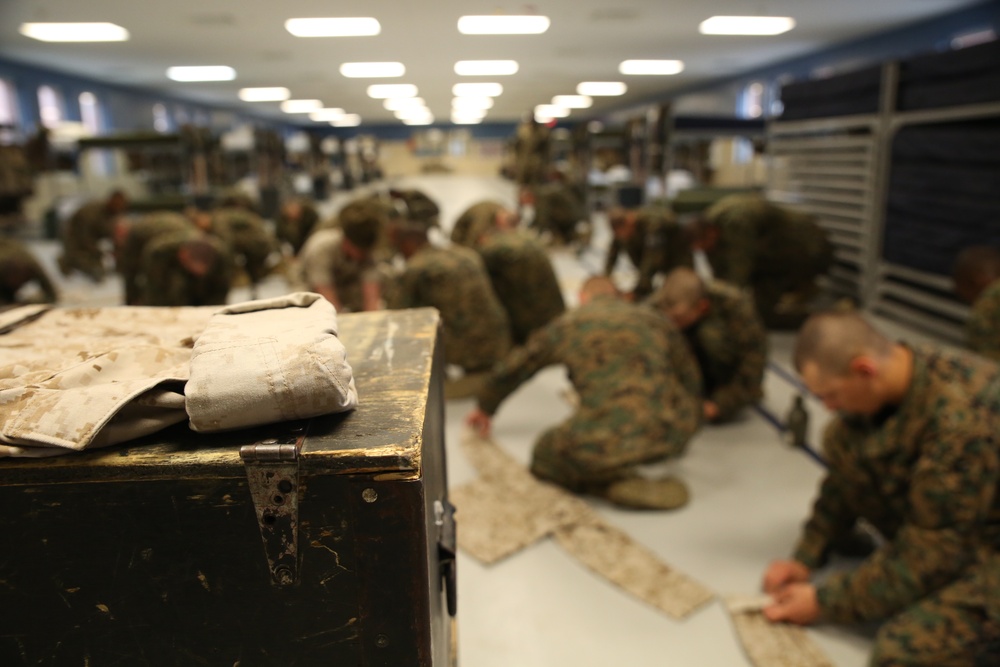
[269, 361]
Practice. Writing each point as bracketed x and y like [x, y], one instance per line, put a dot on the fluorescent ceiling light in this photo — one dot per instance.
[544, 120]
[657, 67]
[202, 73]
[347, 120]
[503, 25]
[264, 94]
[485, 67]
[372, 70]
[419, 121]
[573, 101]
[333, 27]
[74, 32]
[468, 113]
[472, 103]
[601, 88]
[746, 25]
[326, 115]
[551, 111]
[477, 90]
[466, 120]
[396, 104]
[414, 113]
[301, 106]
[381, 91]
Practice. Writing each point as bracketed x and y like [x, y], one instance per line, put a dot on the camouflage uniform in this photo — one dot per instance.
[295, 232]
[17, 259]
[557, 210]
[531, 152]
[324, 262]
[167, 283]
[453, 280]
[635, 405]
[730, 344]
[140, 233]
[244, 232]
[474, 222]
[81, 237]
[657, 246]
[771, 250]
[524, 281]
[926, 475]
[983, 326]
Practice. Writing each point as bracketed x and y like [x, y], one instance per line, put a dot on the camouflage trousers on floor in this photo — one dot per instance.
[950, 628]
[589, 451]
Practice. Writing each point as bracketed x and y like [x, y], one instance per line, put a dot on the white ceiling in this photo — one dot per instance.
[586, 41]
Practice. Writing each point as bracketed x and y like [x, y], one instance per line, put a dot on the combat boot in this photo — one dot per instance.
[667, 493]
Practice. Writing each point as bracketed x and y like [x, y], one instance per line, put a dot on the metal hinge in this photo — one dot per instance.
[273, 478]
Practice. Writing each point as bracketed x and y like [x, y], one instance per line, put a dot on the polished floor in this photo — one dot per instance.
[540, 608]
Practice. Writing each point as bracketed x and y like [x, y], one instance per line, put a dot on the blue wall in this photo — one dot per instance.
[126, 109]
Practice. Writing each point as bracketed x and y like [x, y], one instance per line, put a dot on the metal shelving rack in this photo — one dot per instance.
[838, 169]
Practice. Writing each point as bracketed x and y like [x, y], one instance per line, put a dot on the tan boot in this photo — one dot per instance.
[667, 493]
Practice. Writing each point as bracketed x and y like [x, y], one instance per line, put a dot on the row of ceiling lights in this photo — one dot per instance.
[470, 103]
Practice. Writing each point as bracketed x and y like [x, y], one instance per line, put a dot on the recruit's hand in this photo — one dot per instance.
[795, 603]
[710, 411]
[781, 573]
[480, 422]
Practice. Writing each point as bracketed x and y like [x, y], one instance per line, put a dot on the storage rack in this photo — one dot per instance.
[839, 169]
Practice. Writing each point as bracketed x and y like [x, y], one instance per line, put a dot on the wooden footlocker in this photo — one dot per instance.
[325, 542]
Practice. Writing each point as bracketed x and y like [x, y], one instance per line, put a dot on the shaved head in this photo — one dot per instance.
[681, 287]
[831, 340]
[598, 286]
[975, 268]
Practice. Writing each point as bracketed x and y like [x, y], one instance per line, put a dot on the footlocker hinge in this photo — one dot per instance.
[272, 471]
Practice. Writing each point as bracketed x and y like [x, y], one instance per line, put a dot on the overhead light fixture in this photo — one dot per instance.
[414, 113]
[468, 114]
[381, 91]
[347, 120]
[398, 103]
[333, 27]
[573, 101]
[419, 121]
[201, 73]
[372, 70]
[326, 115]
[472, 103]
[551, 111]
[276, 94]
[602, 88]
[486, 67]
[477, 90]
[746, 25]
[74, 32]
[301, 106]
[503, 25]
[466, 120]
[652, 67]
[471, 113]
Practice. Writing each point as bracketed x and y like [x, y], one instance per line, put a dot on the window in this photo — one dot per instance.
[50, 106]
[8, 103]
[752, 103]
[161, 119]
[90, 113]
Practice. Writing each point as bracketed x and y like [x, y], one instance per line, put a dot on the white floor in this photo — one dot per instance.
[540, 608]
